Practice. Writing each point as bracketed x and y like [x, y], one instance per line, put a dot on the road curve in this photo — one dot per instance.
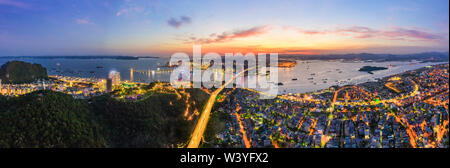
[204, 117]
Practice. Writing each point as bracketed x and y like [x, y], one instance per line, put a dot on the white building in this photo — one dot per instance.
[115, 77]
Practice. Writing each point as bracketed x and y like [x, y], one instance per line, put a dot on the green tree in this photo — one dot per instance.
[47, 119]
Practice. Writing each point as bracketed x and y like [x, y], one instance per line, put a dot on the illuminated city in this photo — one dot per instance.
[224, 74]
[358, 116]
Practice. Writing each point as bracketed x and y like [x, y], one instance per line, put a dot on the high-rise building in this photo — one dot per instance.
[131, 74]
[115, 77]
[109, 85]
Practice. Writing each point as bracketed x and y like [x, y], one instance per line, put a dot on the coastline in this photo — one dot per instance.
[352, 77]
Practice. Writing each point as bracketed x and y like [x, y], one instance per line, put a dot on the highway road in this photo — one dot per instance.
[204, 117]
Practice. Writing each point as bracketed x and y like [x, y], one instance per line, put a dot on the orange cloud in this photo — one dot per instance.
[226, 36]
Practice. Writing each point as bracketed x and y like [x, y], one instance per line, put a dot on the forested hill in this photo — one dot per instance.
[48, 119]
[17, 72]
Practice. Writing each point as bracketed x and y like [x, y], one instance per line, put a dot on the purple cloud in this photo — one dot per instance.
[129, 10]
[14, 3]
[366, 32]
[411, 33]
[176, 23]
[83, 21]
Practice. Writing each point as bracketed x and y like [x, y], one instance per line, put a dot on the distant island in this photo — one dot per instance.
[17, 72]
[369, 69]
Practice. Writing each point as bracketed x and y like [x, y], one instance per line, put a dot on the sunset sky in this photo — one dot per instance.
[161, 28]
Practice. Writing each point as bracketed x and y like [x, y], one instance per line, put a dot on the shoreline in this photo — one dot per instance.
[302, 84]
[288, 88]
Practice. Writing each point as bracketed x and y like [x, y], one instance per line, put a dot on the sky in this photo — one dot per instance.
[163, 27]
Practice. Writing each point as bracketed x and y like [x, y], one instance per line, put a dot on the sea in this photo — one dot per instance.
[306, 76]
